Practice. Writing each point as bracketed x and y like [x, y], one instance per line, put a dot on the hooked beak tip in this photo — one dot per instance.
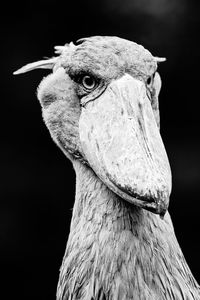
[158, 207]
[162, 212]
[162, 208]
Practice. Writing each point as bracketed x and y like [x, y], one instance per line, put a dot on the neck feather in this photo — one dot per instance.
[119, 251]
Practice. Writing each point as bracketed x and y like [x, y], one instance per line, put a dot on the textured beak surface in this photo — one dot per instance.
[121, 141]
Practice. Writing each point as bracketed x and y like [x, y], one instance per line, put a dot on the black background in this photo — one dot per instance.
[37, 181]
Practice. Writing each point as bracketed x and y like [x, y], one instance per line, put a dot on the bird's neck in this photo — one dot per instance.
[101, 209]
[118, 247]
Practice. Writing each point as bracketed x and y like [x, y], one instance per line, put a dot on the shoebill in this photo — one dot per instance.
[100, 104]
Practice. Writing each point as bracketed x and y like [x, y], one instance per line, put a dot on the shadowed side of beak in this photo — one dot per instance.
[121, 141]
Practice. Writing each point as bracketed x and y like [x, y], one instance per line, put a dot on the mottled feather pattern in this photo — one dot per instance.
[109, 57]
[116, 251]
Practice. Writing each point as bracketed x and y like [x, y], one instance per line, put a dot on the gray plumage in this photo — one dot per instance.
[100, 105]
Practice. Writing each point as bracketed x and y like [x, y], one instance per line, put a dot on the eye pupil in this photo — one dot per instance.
[88, 82]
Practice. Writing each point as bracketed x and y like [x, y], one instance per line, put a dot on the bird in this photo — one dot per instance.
[100, 105]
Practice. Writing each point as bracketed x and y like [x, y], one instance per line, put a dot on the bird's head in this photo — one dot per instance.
[100, 104]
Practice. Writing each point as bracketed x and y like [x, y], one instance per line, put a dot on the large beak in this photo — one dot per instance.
[121, 141]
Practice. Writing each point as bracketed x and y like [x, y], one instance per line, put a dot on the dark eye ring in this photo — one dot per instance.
[88, 82]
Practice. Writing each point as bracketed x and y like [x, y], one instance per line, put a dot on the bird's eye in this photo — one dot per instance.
[88, 82]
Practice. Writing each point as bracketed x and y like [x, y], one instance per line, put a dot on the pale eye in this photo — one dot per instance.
[88, 82]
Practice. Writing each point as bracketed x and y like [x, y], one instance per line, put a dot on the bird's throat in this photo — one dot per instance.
[116, 248]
